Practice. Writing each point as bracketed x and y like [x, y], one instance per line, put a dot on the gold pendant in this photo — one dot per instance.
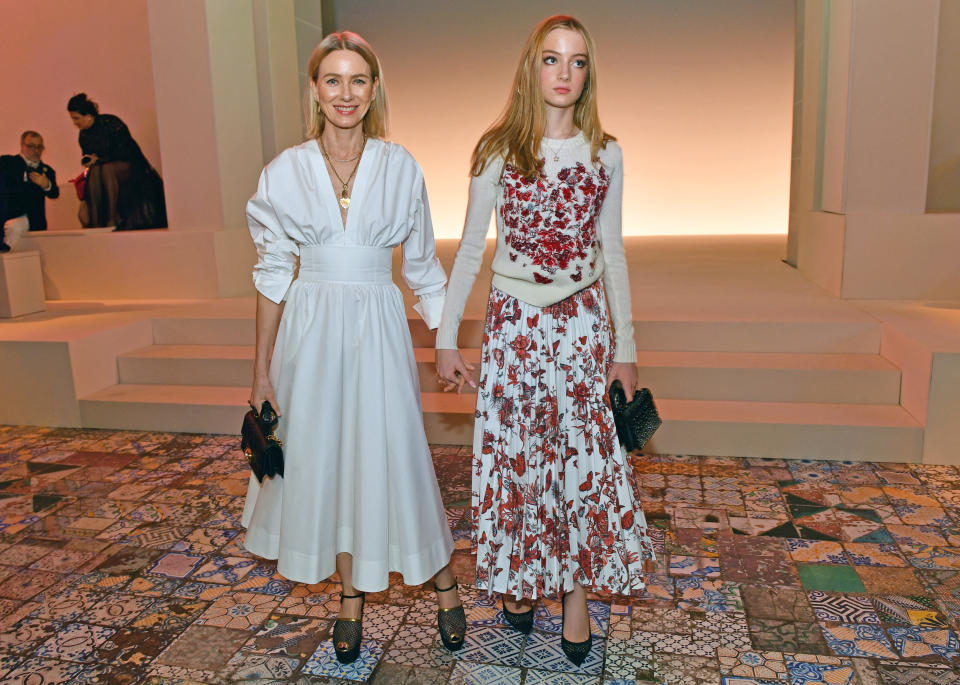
[345, 202]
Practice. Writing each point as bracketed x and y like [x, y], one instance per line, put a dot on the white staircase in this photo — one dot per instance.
[769, 388]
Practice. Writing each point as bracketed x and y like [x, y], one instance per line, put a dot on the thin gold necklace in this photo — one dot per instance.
[344, 193]
[556, 153]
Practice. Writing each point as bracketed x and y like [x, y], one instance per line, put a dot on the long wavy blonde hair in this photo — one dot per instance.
[516, 135]
[376, 119]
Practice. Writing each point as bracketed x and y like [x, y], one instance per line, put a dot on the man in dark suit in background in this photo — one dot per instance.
[25, 184]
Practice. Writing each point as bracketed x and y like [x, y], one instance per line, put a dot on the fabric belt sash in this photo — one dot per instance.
[346, 264]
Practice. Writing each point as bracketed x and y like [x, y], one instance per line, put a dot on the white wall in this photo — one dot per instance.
[52, 49]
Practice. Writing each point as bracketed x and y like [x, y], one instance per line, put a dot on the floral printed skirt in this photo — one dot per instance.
[553, 495]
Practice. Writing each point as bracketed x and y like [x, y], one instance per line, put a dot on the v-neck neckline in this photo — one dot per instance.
[333, 202]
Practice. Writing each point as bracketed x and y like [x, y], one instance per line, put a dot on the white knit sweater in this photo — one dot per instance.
[555, 235]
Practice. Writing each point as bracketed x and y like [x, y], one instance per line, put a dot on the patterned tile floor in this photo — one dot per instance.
[121, 562]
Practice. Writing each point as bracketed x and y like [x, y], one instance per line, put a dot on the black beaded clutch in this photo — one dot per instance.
[257, 440]
[636, 420]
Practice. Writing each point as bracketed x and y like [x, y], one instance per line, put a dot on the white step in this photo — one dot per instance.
[707, 335]
[448, 418]
[188, 365]
[763, 377]
[751, 429]
[178, 408]
[788, 430]
[769, 377]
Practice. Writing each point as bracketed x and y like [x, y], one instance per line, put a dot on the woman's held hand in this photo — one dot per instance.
[453, 371]
[626, 374]
[262, 390]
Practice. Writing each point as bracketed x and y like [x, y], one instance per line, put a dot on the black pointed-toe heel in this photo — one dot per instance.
[576, 652]
[348, 633]
[521, 621]
[452, 623]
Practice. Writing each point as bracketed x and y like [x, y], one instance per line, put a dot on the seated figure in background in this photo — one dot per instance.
[25, 184]
[122, 189]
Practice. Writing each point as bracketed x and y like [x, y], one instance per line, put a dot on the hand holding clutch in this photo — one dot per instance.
[257, 440]
[637, 420]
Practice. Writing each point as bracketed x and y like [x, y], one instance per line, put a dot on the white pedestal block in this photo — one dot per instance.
[21, 284]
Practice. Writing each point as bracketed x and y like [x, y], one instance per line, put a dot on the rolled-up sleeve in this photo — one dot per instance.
[422, 270]
[276, 251]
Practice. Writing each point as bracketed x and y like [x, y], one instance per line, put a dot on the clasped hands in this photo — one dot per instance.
[453, 371]
[40, 179]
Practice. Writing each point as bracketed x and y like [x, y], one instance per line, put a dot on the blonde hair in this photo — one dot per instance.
[375, 120]
[516, 135]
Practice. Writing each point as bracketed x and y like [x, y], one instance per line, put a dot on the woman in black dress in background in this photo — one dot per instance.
[122, 189]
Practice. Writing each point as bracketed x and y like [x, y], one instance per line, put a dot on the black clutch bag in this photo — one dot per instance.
[636, 420]
[263, 449]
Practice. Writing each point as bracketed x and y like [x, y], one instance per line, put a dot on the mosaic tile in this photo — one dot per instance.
[484, 674]
[686, 670]
[203, 647]
[889, 581]
[74, 642]
[68, 605]
[787, 636]
[907, 610]
[787, 604]
[542, 651]
[27, 583]
[323, 662]
[118, 609]
[897, 674]
[169, 614]
[134, 647]
[752, 664]
[534, 677]
[807, 673]
[816, 551]
[830, 578]
[27, 634]
[858, 640]
[936, 558]
[915, 642]
[46, 671]
[261, 668]
[123, 538]
[240, 610]
[319, 601]
[843, 608]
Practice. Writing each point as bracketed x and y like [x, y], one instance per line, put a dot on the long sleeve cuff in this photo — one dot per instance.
[430, 307]
[626, 351]
[273, 287]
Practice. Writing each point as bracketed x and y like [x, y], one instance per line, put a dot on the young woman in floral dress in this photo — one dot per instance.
[553, 495]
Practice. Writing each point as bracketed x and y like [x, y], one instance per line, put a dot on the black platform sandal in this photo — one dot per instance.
[576, 652]
[452, 623]
[522, 621]
[348, 633]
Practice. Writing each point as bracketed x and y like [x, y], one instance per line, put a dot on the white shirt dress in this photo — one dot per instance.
[358, 476]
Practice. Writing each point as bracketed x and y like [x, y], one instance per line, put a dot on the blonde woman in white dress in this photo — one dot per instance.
[358, 494]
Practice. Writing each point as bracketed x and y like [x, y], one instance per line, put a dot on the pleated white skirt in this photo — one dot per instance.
[358, 476]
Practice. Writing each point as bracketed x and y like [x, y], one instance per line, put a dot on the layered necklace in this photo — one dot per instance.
[344, 192]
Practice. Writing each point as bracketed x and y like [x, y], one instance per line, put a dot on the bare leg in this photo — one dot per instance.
[517, 607]
[576, 623]
[445, 579]
[349, 608]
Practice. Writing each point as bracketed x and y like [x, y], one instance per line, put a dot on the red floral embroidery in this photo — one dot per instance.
[553, 495]
[553, 224]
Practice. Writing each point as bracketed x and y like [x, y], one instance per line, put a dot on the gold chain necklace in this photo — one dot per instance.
[344, 193]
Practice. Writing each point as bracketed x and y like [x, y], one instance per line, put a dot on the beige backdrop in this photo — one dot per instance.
[698, 92]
